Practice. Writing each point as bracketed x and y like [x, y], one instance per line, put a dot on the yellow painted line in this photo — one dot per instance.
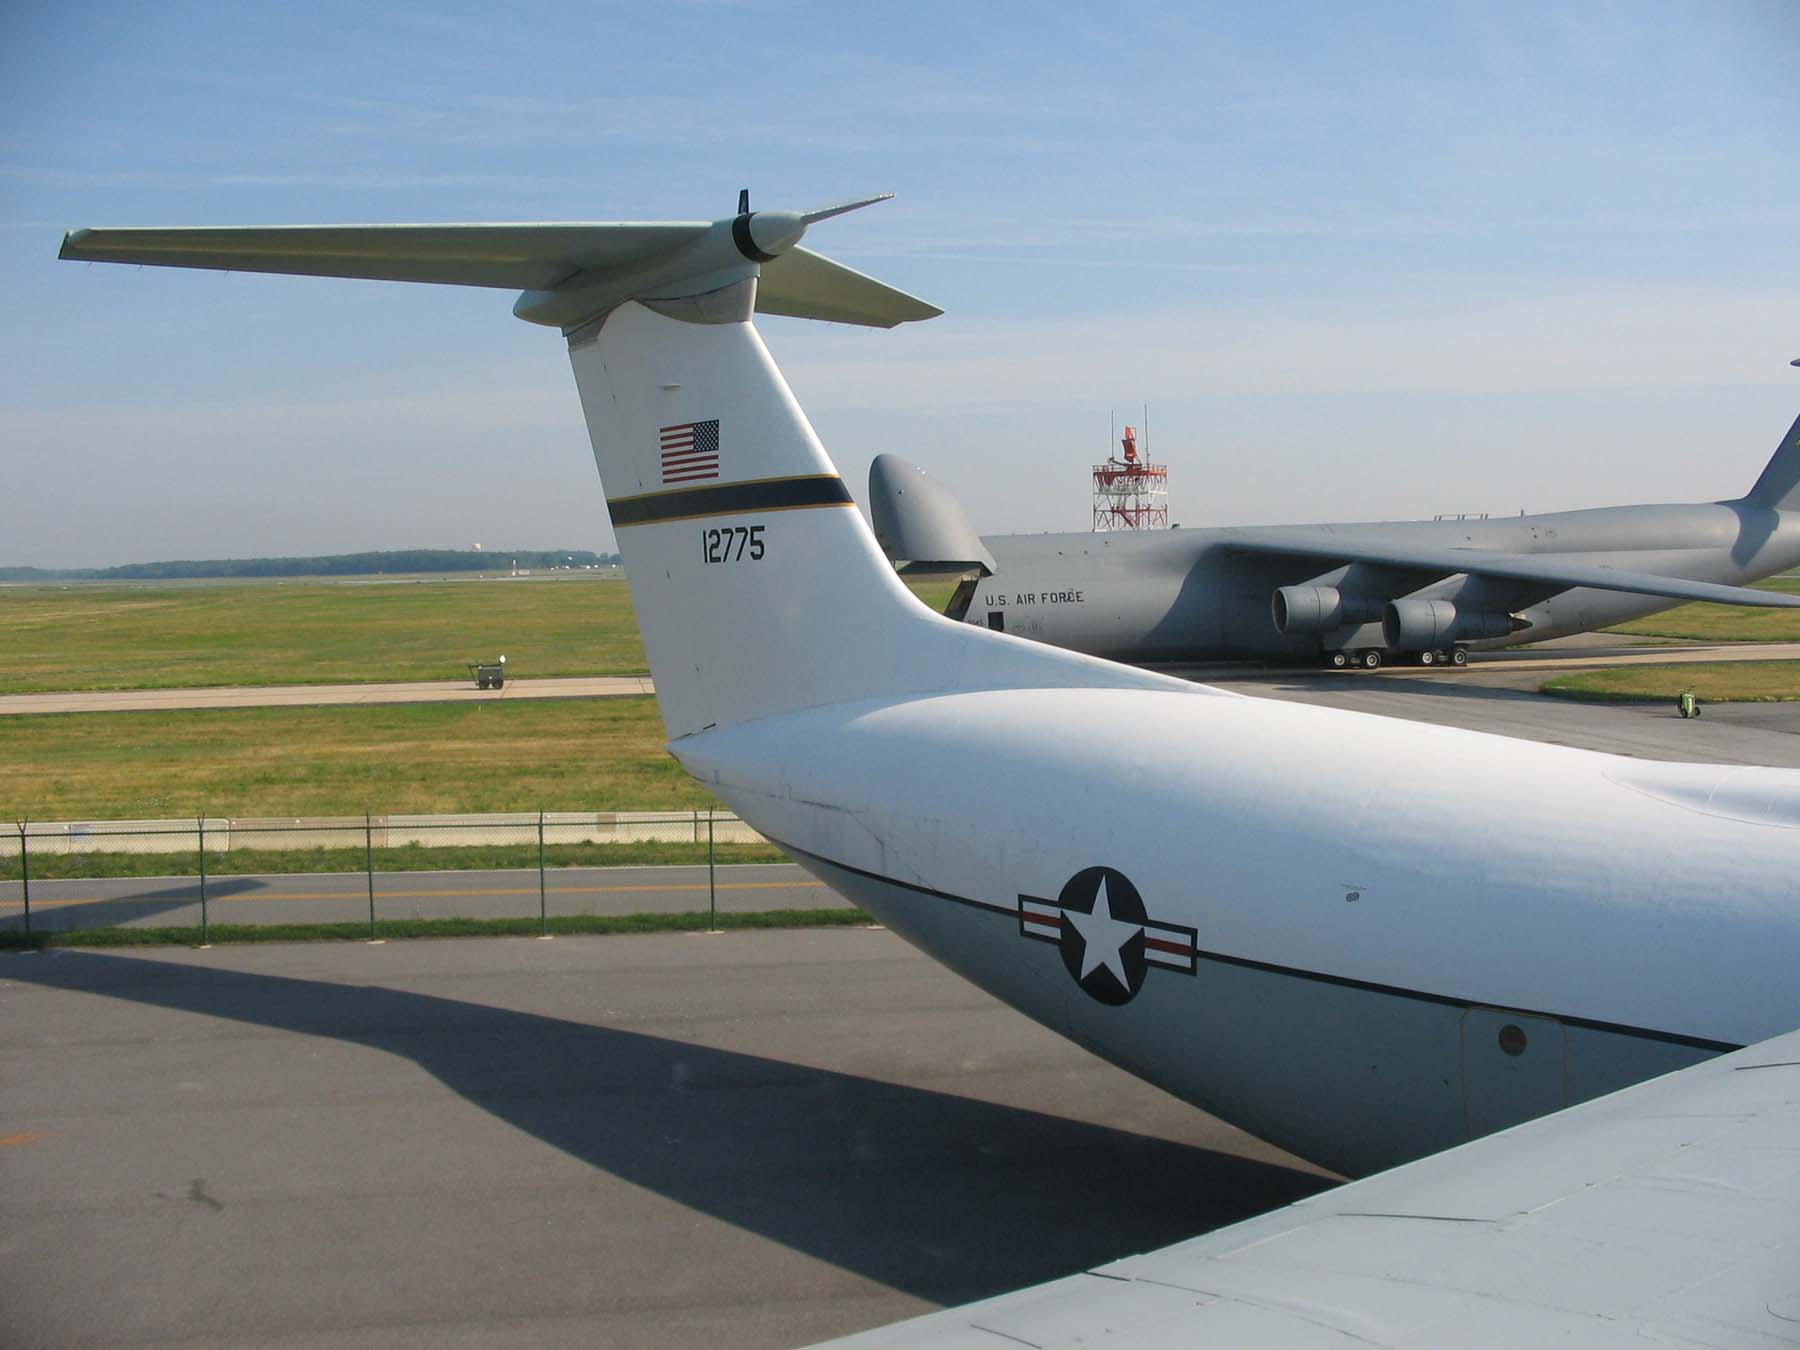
[29, 1137]
[55, 902]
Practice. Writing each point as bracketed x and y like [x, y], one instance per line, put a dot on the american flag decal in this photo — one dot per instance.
[690, 452]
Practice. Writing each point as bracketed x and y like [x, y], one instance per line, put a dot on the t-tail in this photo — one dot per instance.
[759, 588]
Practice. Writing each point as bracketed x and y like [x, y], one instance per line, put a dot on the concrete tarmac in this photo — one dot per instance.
[1725, 733]
[343, 897]
[750, 1139]
[1497, 692]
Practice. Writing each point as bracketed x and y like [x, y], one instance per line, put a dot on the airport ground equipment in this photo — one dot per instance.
[1275, 911]
[488, 674]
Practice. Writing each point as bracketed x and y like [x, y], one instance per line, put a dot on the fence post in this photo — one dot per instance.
[25, 879]
[205, 926]
[712, 877]
[543, 911]
[369, 867]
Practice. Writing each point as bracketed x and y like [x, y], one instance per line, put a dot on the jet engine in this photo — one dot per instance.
[1413, 625]
[1318, 609]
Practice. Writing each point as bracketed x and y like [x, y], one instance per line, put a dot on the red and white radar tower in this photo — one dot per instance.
[1131, 493]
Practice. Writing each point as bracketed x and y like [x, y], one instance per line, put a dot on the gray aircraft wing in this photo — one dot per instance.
[1667, 1214]
[1552, 571]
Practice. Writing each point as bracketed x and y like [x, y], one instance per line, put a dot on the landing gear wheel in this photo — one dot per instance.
[1338, 660]
[1428, 657]
[1369, 658]
[1459, 658]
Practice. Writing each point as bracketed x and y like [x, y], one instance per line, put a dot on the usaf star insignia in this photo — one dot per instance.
[1108, 941]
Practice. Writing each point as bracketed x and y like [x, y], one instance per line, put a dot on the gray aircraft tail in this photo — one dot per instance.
[1779, 486]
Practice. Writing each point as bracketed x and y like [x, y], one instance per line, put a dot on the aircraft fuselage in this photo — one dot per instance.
[1278, 913]
[1188, 595]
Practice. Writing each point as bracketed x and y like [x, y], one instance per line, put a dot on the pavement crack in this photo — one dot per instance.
[197, 1193]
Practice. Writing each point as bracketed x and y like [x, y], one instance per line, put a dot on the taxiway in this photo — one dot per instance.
[343, 897]
[750, 1139]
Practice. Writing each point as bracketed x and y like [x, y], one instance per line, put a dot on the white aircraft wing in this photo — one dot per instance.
[523, 257]
[1665, 1214]
[511, 257]
[1556, 571]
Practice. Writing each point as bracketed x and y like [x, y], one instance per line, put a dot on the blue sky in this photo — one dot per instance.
[1361, 261]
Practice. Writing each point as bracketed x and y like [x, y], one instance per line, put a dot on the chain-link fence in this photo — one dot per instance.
[221, 834]
[88, 874]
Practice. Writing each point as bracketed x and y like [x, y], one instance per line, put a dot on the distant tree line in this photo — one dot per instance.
[335, 565]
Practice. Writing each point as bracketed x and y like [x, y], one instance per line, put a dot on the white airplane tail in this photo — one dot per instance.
[756, 584]
[758, 587]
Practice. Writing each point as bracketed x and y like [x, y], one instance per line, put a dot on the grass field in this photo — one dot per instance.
[1724, 623]
[138, 637]
[601, 755]
[425, 758]
[1716, 682]
[318, 632]
[552, 755]
[78, 636]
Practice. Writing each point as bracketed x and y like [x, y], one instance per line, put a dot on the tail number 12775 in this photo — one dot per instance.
[734, 543]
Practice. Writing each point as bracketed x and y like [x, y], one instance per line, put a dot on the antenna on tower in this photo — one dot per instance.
[1130, 493]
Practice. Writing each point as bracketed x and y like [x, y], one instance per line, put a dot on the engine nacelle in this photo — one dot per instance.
[1318, 609]
[1412, 625]
[1305, 609]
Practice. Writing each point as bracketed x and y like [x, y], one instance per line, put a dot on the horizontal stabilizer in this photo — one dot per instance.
[1560, 571]
[803, 285]
[568, 272]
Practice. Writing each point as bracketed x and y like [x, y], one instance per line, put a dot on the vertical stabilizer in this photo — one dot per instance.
[759, 588]
[919, 524]
[741, 541]
[1779, 485]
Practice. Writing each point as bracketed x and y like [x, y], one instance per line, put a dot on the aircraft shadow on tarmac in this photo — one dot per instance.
[940, 1196]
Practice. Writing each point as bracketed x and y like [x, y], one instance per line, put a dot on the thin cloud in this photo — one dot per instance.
[1616, 338]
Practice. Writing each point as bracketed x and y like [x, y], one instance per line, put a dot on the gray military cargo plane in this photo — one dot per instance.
[1347, 594]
